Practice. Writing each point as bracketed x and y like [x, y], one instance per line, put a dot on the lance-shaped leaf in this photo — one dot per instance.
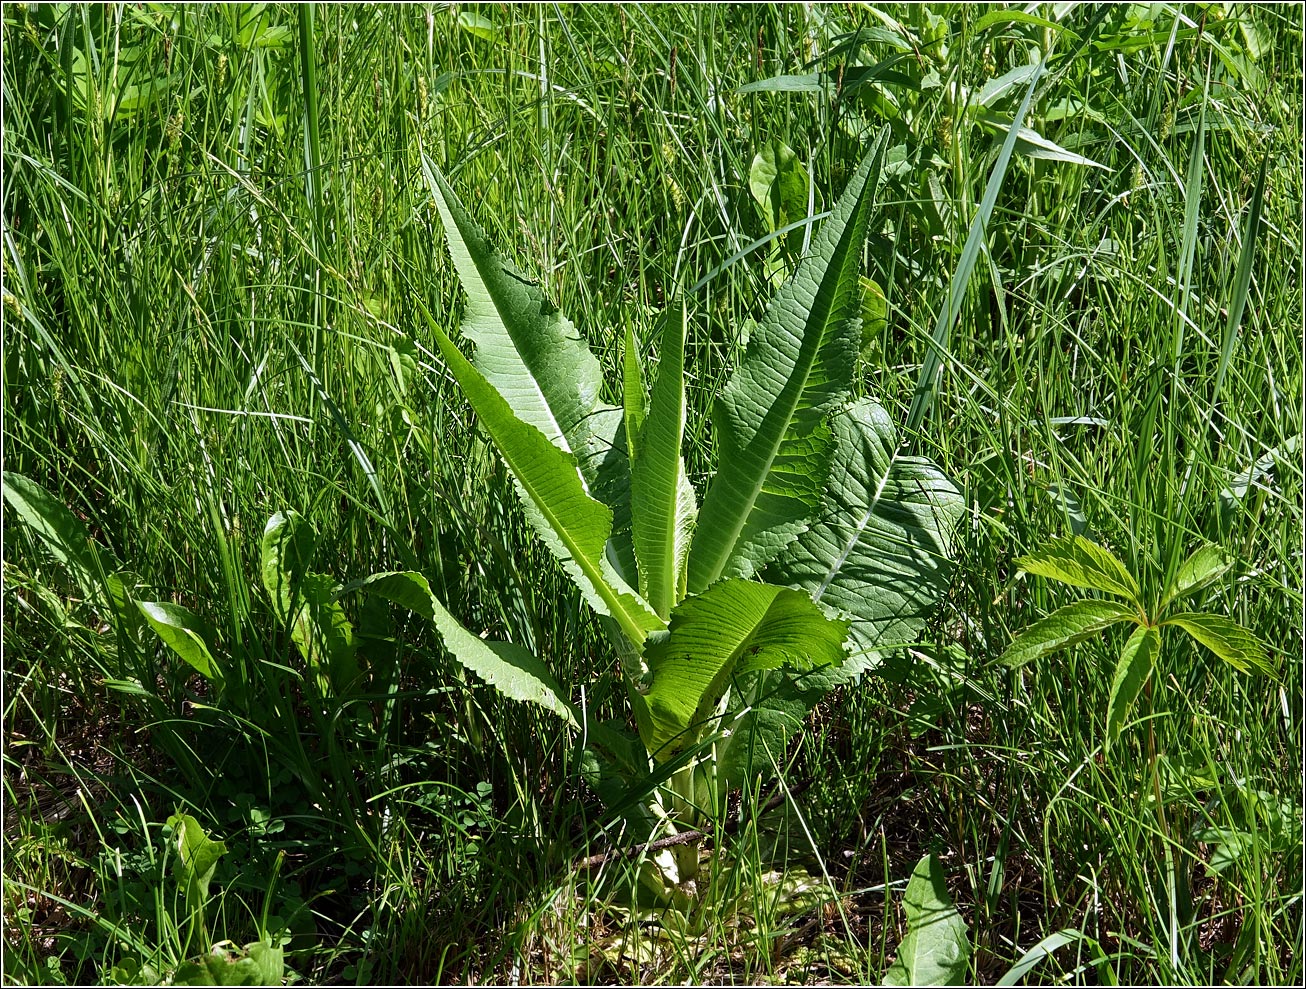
[182, 631]
[1063, 628]
[1082, 563]
[1234, 644]
[512, 670]
[1132, 671]
[735, 626]
[60, 530]
[525, 347]
[573, 525]
[880, 550]
[662, 499]
[1207, 564]
[773, 441]
[934, 951]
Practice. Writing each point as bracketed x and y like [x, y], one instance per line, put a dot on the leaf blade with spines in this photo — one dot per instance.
[514, 671]
[1063, 628]
[774, 442]
[662, 499]
[1237, 646]
[1082, 563]
[735, 626]
[1132, 671]
[524, 346]
[880, 550]
[573, 525]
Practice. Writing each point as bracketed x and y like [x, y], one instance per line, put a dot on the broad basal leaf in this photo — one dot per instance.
[1063, 628]
[512, 670]
[880, 549]
[662, 499]
[1081, 563]
[59, 530]
[773, 441]
[1234, 644]
[573, 525]
[197, 858]
[735, 626]
[934, 951]
[1206, 565]
[183, 632]
[1132, 671]
[289, 542]
[525, 348]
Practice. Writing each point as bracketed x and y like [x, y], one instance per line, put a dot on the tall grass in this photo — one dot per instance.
[215, 234]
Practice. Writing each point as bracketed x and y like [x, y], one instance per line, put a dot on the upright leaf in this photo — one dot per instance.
[184, 633]
[934, 951]
[662, 499]
[1207, 564]
[197, 858]
[1063, 628]
[1234, 644]
[1081, 563]
[525, 347]
[1132, 671]
[735, 626]
[880, 550]
[62, 532]
[289, 542]
[573, 525]
[512, 670]
[775, 445]
[632, 393]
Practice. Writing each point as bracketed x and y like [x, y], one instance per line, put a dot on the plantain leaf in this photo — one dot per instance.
[184, 633]
[880, 551]
[1063, 628]
[524, 347]
[289, 542]
[734, 627]
[512, 670]
[934, 951]
[573, 525]
[778, 182]
[662, 500]
[62, 533]
[1206, 565]
[773, 441]
[197, 858]
[1132, 671]
[258, 964]
[1081, 563]
[1236, 645]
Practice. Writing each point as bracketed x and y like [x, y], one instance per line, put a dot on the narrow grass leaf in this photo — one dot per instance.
[880, 550]
[632, 394]
[1205, 566]
[774, 443]
[1132, 671]
[1082, 563]
[509, 668]
[1242, 278]
[735, 626]
[1236, 645]
[662, 499]
[935, 950]
[1063, 628]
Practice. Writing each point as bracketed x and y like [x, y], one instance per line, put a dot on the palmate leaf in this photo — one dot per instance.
[524, 347]
[934, 951]
[662, 499]
[880, 550]
[734, 627]
[1132, 671]
[1234, 644]
[1082, 563]
[1063, 628]
[572, 524]
[773, 441]
[512, 670]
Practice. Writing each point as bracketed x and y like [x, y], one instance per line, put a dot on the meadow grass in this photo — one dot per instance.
[216, 234]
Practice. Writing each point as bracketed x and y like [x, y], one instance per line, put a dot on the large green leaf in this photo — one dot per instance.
[183, 632]
[1082, 563]
[259, 964]
[1132, 671]
[62, 532]
[287, 548]
[1206, 565]
[1236, 645]
[572, 524]
[197, 858]
[662, 499]
[512, 670]
[772, 436]
[525, 347]
[734, 627]
[880, 550]
[1063, 628]
[934, 951]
